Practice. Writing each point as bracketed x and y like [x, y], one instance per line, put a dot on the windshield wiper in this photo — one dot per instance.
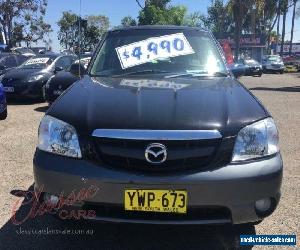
[146, 71]
[216, 74]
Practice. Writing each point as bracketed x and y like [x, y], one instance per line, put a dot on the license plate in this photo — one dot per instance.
[58, 92]
[164, 201]
[9, 89]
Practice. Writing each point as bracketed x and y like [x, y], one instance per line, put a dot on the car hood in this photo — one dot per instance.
[150, 103]
[20, 74]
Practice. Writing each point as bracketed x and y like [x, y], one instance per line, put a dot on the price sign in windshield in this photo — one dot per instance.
[153, 48]
[41, 60]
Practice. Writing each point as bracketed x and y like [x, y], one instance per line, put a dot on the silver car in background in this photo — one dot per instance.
[273, 63]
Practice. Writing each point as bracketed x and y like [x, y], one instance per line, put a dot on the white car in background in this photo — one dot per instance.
[273, 63]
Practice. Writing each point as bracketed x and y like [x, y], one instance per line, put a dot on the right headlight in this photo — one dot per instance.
[256, 140]
[58, 137]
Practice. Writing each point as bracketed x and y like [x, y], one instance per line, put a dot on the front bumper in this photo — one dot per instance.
[52, 93]
[274, 68]
[30, 90]
[254, 71]
[234, 187]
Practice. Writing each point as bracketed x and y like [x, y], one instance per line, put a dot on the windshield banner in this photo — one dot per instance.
[152, 49]
[41, 60]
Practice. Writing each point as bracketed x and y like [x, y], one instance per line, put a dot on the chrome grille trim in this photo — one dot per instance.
[159, 135]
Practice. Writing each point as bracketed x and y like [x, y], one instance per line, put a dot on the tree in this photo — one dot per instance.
[195, 19]
[128, 21]
[218, 19]
[239, 10]
[90, 31]
[158, 12]
[284, 10]
[101, 22]
[293, 24]
[13, 14]
[67, 29]
[35, 29]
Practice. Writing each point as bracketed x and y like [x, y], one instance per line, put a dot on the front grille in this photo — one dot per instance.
[182, 154]
[131, 153]
[204, 213]
[277, 66]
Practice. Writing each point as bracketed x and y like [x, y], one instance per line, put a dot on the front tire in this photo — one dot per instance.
[3, 115]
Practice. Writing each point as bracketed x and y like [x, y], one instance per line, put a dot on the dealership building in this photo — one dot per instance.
[250, 45]
[286, 49]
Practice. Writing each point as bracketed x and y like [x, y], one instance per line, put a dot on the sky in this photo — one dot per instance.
[117, 9]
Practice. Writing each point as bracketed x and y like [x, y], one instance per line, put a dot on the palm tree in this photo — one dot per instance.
[239, 10]
[285, 8]
[278, 23]
[293, 23]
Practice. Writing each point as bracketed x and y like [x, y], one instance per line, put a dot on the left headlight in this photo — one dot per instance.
[35, 78]
[58, 137]
[256, 140]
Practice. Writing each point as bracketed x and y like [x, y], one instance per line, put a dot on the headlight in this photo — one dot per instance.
[58, 137]
[35, 78]
[256, 140]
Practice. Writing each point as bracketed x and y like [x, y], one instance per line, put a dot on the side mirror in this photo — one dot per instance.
[77, 69]
[57, 69]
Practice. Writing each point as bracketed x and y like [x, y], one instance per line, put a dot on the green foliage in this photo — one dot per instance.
[23, 20]
[91, 29]
[128, 21]
[152, 14]
[67, 35]
[218, 19]
[195, 19]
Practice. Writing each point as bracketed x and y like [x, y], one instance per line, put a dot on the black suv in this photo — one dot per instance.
[159, 131]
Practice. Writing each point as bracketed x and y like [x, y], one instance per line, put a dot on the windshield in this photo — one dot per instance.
[154, 51]
[274, 59]
[37, 63]
[251, 62]
[24, 50]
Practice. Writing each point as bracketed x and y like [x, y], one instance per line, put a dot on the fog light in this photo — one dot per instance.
[263, 205]
[51, 199]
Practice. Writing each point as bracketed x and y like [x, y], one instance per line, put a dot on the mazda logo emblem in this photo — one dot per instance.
[156, 153]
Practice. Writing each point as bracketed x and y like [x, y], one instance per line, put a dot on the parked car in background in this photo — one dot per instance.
[161, 133]
[67, 52]
[3, 106]
[84, 61]
[23, 51]
[58, 83]
[28, 79]
[237, 69]
[291, 67]
[10, 61]
[273, 63]
[252, 67]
